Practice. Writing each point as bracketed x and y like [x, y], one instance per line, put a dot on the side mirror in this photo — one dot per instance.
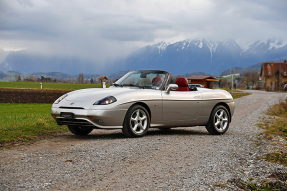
[171, 87]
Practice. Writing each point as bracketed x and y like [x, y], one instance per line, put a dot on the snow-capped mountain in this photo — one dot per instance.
[200, 55]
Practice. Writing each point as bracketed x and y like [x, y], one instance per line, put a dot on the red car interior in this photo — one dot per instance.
[182, 84]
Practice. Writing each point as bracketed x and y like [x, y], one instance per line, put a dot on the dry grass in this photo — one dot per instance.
[278, 183]
[278, 126]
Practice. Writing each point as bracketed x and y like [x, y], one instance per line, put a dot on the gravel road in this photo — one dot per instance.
[179, 159]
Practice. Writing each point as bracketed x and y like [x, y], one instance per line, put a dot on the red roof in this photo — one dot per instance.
[202, 78]
[270, 68]
[104, 77]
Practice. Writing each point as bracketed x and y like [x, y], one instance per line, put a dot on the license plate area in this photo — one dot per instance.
[67, 115]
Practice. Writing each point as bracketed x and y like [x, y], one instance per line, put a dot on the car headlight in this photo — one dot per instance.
[60, 99]
[106, 101]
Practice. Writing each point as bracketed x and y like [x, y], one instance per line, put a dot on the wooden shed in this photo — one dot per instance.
[206, 81]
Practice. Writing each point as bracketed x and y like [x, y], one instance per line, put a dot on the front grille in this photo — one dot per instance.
[71, 107]
[76, 122]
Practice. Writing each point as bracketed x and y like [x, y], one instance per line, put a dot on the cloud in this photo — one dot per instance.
[103, 30]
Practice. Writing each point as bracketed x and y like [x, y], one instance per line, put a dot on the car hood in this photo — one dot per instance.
[94, 94]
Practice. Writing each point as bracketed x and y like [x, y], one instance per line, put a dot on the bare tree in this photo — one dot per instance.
[250, 77]
[71, 80]
[18, 78]
[245, 79]
[254, 77]
[223, 83]
[81, 78]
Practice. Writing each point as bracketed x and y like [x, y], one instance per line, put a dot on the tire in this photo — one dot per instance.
[218, 121]
[137, 122]
[80, 130]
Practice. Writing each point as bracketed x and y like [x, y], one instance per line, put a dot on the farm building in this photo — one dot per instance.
[273, 74]
[206, 81]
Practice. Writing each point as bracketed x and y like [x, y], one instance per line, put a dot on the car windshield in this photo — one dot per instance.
[142, 79]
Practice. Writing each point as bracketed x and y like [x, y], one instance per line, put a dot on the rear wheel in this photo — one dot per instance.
[218, 121]
[137, 122]
[77, 130]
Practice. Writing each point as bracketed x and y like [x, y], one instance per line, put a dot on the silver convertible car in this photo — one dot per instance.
[141, 100]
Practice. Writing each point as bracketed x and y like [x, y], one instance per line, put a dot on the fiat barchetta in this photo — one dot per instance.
[141, 100]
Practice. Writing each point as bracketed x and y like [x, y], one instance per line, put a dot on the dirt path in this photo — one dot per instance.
[179, 159]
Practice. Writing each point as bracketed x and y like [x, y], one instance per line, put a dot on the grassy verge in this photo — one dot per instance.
[237, 93]
[36, 85]
[275, 127]
[279, 183]
[26, 122]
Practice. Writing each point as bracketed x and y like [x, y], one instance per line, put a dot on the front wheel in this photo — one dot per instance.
[137, 122]
[80, 130]
[219, 121]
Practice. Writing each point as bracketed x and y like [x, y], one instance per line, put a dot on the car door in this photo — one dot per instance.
[181, 106]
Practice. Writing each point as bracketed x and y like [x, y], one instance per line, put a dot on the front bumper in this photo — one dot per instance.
[105, 119]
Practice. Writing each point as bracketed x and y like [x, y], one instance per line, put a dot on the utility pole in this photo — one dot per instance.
[232, 71]
[279, 76]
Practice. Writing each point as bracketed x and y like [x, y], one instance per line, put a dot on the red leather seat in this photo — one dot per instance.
[156, 81]
[182, 84]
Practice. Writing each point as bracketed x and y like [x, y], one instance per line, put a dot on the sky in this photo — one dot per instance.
[103, 30]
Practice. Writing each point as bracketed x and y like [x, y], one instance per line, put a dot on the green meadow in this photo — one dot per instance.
[25, 122]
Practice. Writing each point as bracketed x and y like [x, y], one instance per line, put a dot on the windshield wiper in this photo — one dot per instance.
[132, 85]
[117, 85]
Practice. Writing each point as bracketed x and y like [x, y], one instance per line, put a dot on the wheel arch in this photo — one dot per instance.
[144, 105]
[226, 106]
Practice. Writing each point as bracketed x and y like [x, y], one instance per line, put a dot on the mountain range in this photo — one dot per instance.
[200, 55]
[179, 58]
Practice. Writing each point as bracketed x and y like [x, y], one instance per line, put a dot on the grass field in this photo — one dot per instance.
[36, 85]
[25, 122]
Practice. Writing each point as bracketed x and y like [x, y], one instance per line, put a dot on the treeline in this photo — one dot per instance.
[246, 79]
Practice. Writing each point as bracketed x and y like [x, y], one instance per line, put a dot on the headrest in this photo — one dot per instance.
[156, 80]
[182, 82]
